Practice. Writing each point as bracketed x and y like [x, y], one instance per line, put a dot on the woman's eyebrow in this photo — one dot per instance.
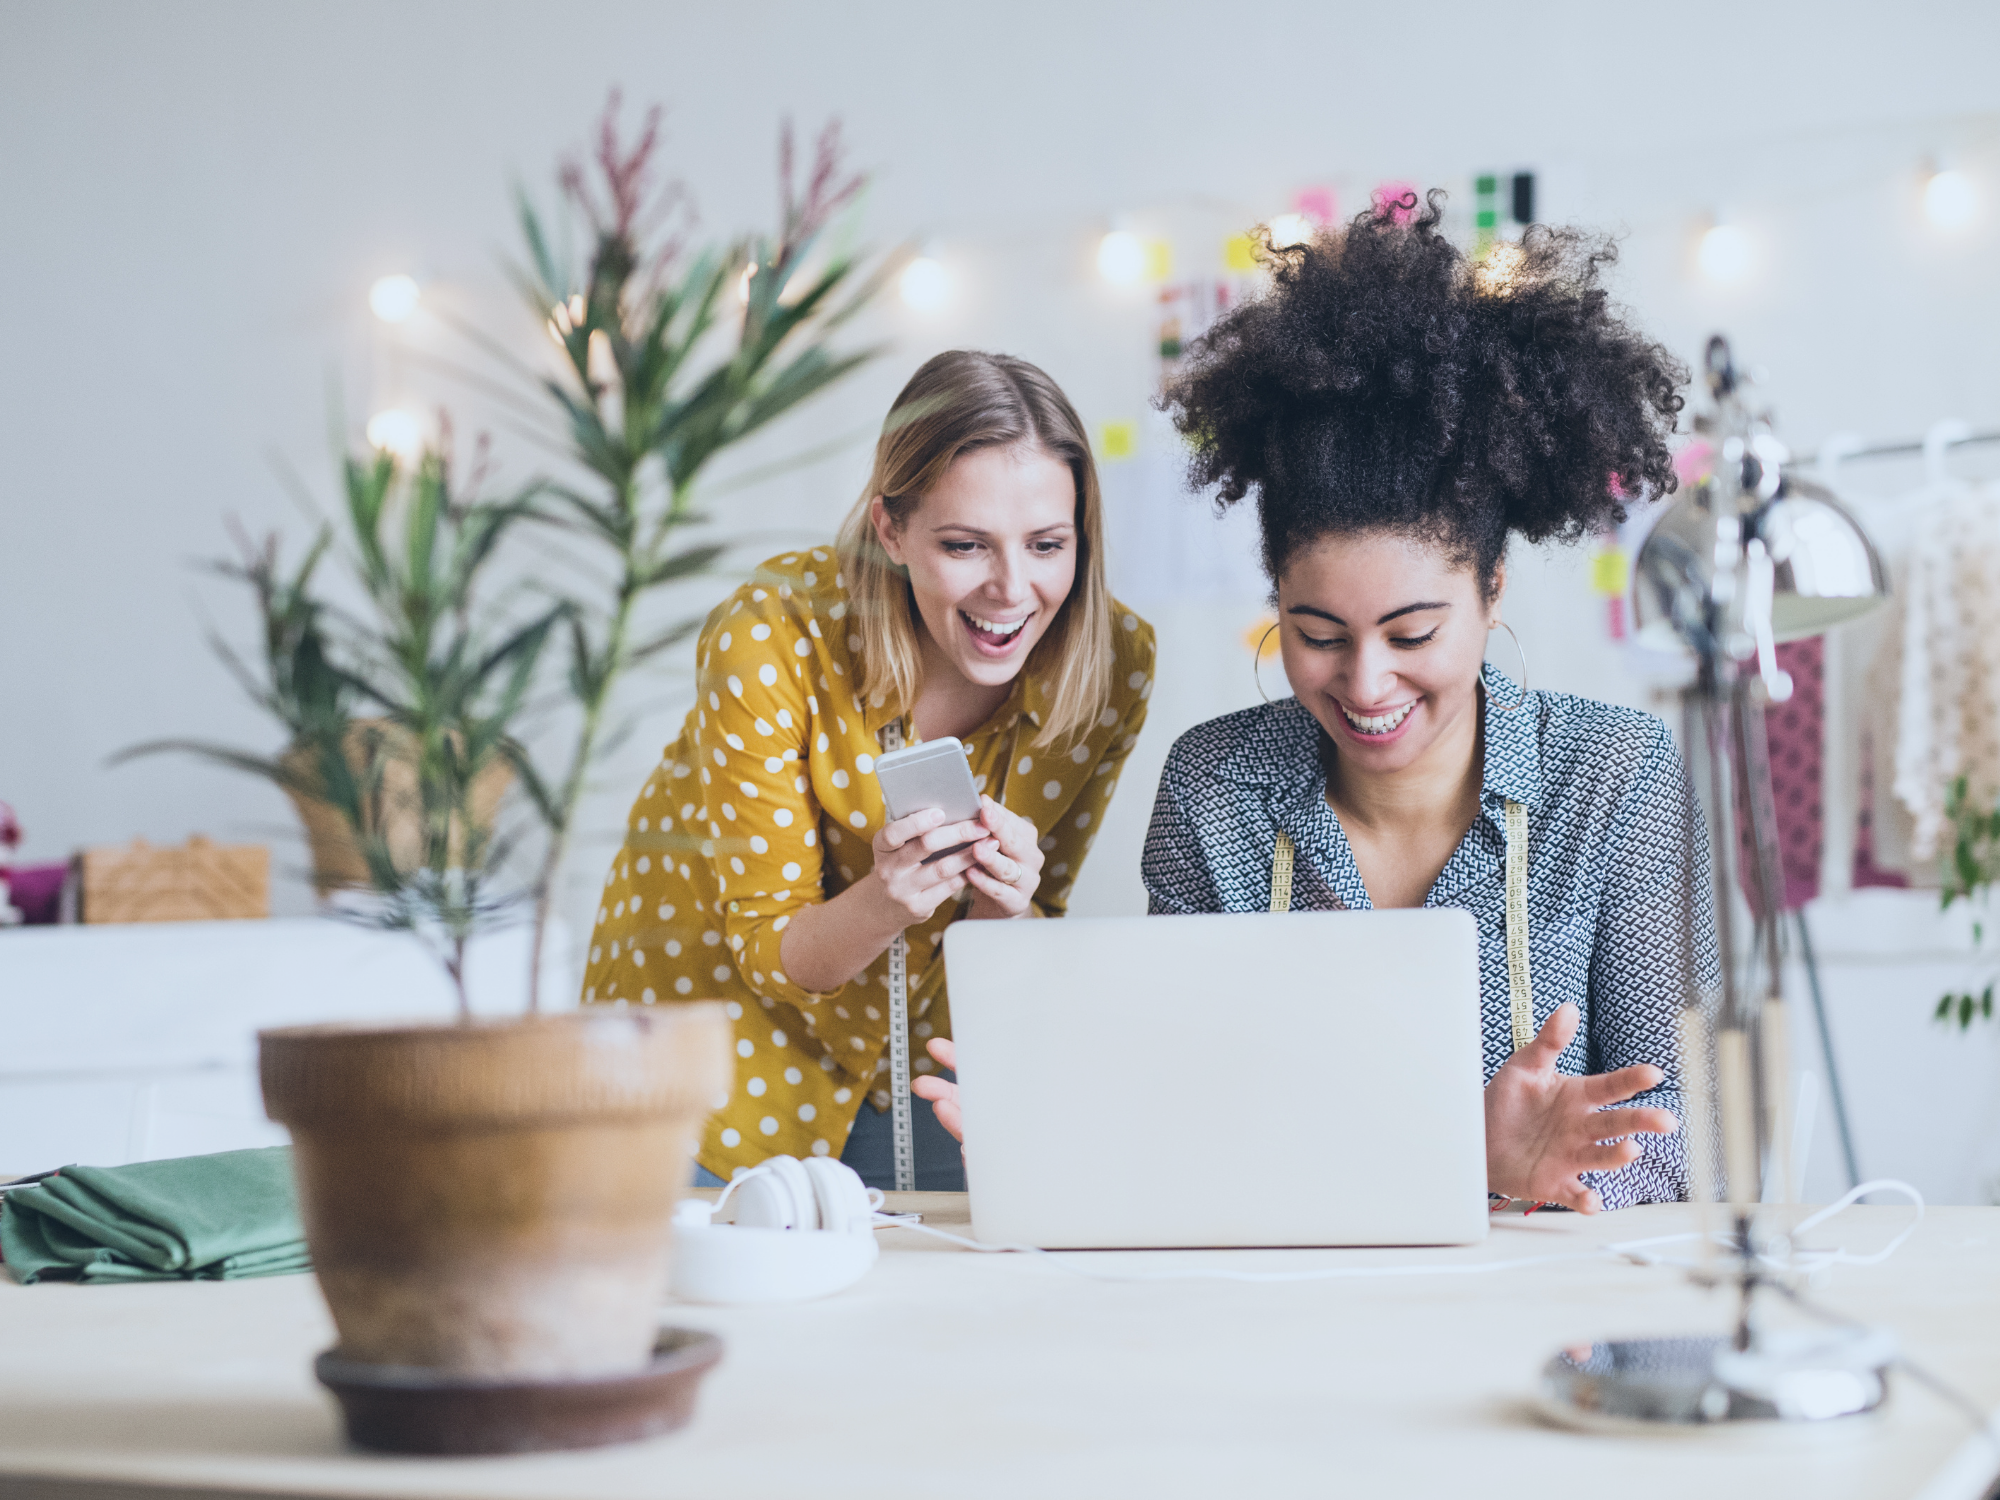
[1410, 609]
[1407, 609]
[984, 535]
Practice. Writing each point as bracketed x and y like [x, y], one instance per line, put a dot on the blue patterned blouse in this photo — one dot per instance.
[1617, 861]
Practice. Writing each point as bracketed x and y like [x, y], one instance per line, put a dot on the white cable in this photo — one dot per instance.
[1812, 1260]
[1638, 1251]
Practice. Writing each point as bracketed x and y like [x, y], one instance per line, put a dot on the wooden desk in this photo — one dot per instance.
[1000, 1376]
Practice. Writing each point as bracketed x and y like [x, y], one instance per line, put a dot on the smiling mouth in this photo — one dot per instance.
[1387, 723]
[995, 635]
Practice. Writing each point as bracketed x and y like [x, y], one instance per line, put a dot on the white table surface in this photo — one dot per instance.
[986, 1375]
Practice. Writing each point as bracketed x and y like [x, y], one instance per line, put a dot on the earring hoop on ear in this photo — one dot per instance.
[1519, 650]
[1257, 664]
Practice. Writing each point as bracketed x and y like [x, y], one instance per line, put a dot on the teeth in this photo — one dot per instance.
[1378, 723]
[994, 627]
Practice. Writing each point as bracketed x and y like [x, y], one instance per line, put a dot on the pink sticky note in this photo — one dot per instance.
[1390, 198]
[1316, 203]
[1694, 462]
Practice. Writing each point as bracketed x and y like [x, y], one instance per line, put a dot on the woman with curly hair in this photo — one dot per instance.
[1399, 412]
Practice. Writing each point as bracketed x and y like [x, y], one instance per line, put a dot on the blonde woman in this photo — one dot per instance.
[965, 597]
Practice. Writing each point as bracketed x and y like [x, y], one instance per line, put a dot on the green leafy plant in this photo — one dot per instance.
[402, 717]
[669, 357]
[299, 685]
[399, 717]
[1971, 867]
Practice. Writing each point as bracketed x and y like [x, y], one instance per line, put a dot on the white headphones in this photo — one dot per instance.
[762, 1257]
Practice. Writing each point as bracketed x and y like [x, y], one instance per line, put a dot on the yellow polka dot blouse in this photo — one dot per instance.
[766, 804]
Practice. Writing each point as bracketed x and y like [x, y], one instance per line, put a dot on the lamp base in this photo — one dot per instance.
[1791, 1378]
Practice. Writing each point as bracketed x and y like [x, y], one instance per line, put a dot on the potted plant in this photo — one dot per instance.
[488, 1202]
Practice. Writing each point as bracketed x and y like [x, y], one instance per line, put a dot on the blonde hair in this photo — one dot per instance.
[959, 401]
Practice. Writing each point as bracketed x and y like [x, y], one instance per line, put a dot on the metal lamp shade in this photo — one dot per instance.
[1825, 571]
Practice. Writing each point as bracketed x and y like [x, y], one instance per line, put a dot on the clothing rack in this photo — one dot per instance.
[1898, 450]
[1908, 449]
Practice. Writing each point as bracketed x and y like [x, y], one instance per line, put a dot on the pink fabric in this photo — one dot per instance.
[37, 892]
[1866, 871]
[1796, 733]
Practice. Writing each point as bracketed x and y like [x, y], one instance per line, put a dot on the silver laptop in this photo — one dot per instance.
[1307, 1078]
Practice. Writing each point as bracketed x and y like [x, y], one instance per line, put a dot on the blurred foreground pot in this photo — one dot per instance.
[493, 1199]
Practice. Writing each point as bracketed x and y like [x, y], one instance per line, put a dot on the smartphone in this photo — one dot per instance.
[933, 774]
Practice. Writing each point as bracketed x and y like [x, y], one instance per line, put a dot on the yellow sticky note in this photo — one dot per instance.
[1159, 260]
[1239, 253]
[1262, 638]
[1611, 571]
[1117, 440]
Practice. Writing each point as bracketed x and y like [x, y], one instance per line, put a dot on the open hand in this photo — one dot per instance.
[942, 1092]
[1008, 866]
[1544, 1127]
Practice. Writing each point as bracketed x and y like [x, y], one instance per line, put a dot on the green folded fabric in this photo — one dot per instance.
[195, 1218]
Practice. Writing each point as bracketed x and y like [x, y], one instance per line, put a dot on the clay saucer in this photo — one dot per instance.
[397, 1409]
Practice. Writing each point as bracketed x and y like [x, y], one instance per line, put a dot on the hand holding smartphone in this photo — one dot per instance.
[933, 774]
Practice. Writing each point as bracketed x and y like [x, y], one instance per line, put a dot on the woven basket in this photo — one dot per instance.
[337, 861]
[197, 882]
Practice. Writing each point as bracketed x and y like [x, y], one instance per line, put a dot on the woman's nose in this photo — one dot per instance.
[1374, 674]
[1007, 581]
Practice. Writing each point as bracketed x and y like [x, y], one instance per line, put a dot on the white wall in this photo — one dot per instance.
[197, 196]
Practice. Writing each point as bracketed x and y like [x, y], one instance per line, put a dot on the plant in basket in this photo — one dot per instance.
[487, 1203]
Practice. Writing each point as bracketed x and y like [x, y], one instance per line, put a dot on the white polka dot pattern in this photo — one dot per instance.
[786, 754]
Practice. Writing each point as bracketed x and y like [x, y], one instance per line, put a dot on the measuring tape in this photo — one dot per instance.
[902, 1127]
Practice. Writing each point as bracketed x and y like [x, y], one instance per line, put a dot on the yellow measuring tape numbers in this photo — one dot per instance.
[1281, 875]
[1520, 981]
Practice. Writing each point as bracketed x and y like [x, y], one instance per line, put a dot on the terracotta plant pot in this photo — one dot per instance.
[494, 1199]
[336, 859]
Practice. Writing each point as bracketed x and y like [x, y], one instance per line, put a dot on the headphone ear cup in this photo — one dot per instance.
[762, 1202]
[842, 1196]
[790, 1174]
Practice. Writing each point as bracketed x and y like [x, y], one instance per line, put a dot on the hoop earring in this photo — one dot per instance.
[1257, 664]
[1519, 650]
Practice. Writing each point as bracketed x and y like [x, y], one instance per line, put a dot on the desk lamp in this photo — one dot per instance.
[1750, 556]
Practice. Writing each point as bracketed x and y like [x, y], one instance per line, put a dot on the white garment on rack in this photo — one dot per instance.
[1863, 667]
[1948, 678]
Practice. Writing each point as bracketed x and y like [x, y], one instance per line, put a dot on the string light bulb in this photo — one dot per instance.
[1121, 258]
[397, 432]
[1726, 253]
[1950, 199]
[565, 318]
[1501, 271]
[1288, 230]
[925, 284]
[394, 298]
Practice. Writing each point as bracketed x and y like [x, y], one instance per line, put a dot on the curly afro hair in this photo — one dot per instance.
[1387, 382]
